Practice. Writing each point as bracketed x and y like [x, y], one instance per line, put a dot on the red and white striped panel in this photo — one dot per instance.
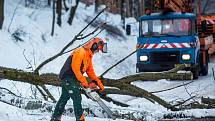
[210, 21]
[165, 45]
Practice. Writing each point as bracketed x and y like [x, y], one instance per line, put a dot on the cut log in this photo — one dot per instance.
[208, 100]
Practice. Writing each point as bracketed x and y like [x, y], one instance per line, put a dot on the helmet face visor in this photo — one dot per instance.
[104, 49]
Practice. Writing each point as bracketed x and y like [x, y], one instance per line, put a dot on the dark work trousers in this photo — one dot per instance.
[70, 89]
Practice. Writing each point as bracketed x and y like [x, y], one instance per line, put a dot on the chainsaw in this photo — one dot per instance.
[93, 95]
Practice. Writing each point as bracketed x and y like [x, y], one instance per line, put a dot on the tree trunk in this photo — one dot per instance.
[142, 7]
[135, 8]
[26, 3]
[96, 5]
[53, 19]
[130, 11]
[49, 2]
[1, 13]
[207, 100]
[58, 10]
[123, 84]
[65, 6]
[123, 13]
[72, 12]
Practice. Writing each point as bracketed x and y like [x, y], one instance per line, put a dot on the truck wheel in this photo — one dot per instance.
[204, 68]
[137, 70]
[195, 72]
[195, 69]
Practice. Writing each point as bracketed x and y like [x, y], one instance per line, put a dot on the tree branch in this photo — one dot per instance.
[91, 33]
[213, 74]
[172, 87]
[117, 63]
[69, 44]
[52, 79]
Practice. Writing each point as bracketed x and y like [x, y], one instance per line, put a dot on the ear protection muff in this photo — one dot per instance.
[94, 47]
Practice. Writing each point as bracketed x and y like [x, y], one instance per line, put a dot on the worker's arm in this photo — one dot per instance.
[93, 77]
[76, 65]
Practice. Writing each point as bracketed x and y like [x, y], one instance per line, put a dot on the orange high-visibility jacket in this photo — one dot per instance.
[83, 57]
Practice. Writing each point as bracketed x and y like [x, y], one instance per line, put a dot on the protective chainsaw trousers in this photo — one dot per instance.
[70, 89]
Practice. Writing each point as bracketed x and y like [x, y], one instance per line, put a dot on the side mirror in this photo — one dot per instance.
[128, 29]
[204, 25]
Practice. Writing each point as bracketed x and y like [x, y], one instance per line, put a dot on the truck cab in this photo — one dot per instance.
[167, 39]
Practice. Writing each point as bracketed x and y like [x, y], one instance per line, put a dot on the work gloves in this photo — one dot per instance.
[85, 84]
[96, 83]
[93, 84]
[94, 87]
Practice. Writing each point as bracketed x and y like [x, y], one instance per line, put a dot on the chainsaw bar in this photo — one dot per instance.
[106, 109]
[95, 97]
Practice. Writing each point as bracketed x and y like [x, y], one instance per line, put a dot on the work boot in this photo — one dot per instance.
[80, 120]
[54, 119]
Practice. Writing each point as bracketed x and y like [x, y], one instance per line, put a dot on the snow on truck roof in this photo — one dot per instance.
[167, 16]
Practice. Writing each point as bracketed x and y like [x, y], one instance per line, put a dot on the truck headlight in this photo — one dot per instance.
[186, 56]
[143, 58]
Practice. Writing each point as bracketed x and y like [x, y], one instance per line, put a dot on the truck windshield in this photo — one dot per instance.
[174, 27]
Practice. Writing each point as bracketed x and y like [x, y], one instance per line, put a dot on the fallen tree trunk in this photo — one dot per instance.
[207, 100]
[122, 84]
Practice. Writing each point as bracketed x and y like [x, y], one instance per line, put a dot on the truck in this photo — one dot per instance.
[178, 34]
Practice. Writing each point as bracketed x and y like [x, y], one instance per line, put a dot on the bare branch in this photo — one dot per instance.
[84, 42]
[48, 93]
[189, 93]
[29, 63]
[41, 92]
[172, 87]
[14, 15]
[69, 44]
[213, 74]
[91, 33]
[181, 103]
[9, 91]
[102, 75]
[43, 86]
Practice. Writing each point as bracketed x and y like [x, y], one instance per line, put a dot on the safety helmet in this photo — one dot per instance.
[98, 45]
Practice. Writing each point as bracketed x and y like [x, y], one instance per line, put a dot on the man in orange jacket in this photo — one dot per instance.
[71, 77]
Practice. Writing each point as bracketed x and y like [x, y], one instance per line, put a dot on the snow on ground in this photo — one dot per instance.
[11, 113]
[38, 45]
[204, 86]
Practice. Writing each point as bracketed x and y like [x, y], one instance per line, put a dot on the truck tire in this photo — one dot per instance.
[195, 72]
[195, 69]
[204, 68]
[137, 70]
